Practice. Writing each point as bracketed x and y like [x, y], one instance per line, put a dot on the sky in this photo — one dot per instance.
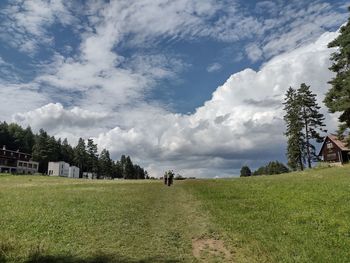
[195, 86]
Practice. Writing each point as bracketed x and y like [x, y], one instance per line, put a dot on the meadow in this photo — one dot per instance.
[297, 217]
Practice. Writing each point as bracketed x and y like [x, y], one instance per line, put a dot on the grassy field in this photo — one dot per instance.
[300, 217]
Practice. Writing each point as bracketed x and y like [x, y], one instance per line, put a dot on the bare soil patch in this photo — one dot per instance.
[214, 249]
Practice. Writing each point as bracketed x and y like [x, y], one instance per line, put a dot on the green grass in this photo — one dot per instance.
[51, 219]
[299, 217]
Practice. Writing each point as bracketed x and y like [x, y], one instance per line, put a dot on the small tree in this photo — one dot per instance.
[245, 171]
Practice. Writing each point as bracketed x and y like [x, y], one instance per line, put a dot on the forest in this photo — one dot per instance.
[45, 148]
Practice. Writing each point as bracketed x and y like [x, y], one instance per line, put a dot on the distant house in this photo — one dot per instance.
[63, 169]
[17, 162]
[88, 175]
[334, 150]
[73, 172]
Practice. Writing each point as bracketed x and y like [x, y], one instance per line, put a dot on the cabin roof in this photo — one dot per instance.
[341, 144]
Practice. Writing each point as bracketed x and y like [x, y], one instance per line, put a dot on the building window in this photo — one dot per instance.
[329, 145]
[20, 164]
[35, 166]
[30, 165]
[24, 164]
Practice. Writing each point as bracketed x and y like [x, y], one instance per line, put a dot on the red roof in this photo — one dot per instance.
[341, 144]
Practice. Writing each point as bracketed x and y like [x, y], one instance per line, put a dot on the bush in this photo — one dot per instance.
[272, 168]
[245, 171]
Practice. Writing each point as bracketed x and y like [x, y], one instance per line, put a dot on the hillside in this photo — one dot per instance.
[297, 217]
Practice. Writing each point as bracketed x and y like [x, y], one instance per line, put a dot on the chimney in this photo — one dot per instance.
[4, 147]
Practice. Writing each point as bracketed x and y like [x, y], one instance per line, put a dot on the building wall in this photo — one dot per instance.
[53, 169]
[29, 167]
[58, 169]
[331, 152]
[73, 172]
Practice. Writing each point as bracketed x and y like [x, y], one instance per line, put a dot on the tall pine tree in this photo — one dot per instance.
[304, 124]
[312, 121]
[80, 156]
[338, 96]
[66, 152]
[92, 157]
[293, 130]
[105, 164]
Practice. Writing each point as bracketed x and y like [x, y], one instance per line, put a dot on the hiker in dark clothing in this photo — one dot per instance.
[165, 179]
[170, 178]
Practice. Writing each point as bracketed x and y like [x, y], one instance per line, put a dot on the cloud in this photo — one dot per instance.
[24, 23]
[295, 26]
[214, 67]
[19, 98]
[239, 125]
[65, 123]
[254, 52]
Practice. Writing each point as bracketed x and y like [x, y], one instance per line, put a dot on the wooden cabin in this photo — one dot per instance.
[334, 150]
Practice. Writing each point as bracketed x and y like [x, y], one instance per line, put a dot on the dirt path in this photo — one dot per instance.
[189, 230]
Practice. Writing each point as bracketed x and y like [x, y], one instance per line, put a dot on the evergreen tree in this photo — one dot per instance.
[105, 164]
[45, 150]
[80, 156]
[92, 156]
[66, 152]
[312, 121]
[245, 171]
[274, 167]
[139, 172]
[4, 135]
[293, 132]
[129, 170]
[117, 170]
[28, 140]
[122, 165]
[16, 138]
[338, 96]
[304, 122]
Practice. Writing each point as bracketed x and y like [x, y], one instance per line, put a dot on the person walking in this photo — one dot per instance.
[165, 179]
[170, 178]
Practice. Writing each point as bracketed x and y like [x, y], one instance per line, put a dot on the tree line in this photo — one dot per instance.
[274, 167]
[45, 148]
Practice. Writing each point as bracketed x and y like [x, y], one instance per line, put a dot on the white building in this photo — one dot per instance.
[88, 175]
[58, 169]
[28, 167]
[73, 172]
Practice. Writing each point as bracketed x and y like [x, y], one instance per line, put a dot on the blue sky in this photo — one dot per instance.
[173, 83]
